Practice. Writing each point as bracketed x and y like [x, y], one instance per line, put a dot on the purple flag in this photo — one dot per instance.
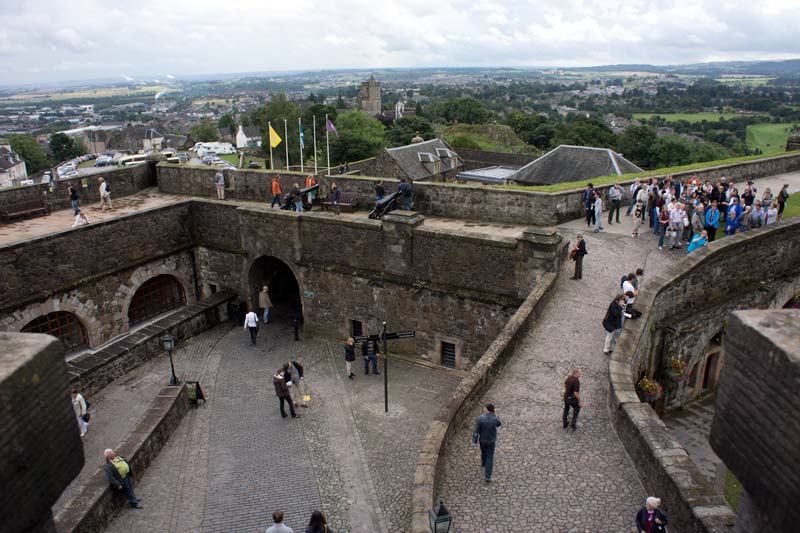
[330, 127]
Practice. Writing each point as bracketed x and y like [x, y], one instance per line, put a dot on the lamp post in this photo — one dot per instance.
[169, 344]
[440, 518]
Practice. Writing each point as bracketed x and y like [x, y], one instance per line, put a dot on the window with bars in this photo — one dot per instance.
[448, 354]
[63, 325]
[155, 296]
[356, 328]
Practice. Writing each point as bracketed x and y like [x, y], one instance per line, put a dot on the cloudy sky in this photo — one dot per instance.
[51, 40]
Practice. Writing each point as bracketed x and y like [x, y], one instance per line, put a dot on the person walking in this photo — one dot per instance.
[277, 192]
[577, 255]
[485, 434]
[615, 198]
[265, 303]
[587, 200]
[219, 182]
[81, 409]
[370, 351]
[349, 356]
[317, 523]
[278, 526]
[336, 196]
[298, 385]
[105, 195]
[279, 380]
[598, 212]
[612, 323]
[572, 398]
[251, 324]
[297, 198]
[650, 519]
[120, 476]
[73, 198]
[406, 193]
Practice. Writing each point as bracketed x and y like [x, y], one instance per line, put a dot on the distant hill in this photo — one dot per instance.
[491, 137]
[788, 67]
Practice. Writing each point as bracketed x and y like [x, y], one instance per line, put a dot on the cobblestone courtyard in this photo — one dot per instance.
[232, 462]
[547, 479]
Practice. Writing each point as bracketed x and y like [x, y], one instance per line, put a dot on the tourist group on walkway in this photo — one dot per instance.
[685, 211]
[316, 524]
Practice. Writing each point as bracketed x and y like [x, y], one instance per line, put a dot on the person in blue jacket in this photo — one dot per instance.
[712, 221]
[698, 241]
[734, 212]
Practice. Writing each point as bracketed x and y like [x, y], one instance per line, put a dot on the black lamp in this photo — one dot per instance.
[440, 518]
[169, 344]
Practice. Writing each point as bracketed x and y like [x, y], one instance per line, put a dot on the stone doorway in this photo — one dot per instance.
[284, 289]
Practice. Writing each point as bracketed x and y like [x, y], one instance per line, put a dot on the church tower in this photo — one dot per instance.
[369, 97]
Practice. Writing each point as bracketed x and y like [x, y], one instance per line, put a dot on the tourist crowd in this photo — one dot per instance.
[686, 211]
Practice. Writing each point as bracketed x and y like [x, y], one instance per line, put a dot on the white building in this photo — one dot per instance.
[249, 137]
[12, 166]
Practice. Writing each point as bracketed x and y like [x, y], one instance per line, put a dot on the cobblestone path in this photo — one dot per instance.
[547, 479]
[231, 463]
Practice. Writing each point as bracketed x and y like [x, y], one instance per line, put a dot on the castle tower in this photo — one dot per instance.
[369, 97]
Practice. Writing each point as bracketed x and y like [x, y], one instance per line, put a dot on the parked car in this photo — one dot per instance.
[103, 161]
[253, 164]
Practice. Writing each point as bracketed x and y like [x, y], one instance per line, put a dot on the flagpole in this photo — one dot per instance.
[269, 141]
[327, 145]
[286, 136]
[302, 141]
[314, 119]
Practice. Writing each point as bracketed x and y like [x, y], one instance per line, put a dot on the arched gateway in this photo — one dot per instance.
[283, 286]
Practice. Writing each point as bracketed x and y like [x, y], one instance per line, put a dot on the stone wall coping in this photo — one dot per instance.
[481, 238]
[94, 225]
[316, 216]
[430, 456]
[94, 503]
[624, 366]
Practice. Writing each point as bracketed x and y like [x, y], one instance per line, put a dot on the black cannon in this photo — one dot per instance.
[385, 205]
[288, 201]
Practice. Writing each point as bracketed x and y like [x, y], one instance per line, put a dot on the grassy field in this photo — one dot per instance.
[769, 138]
[490, 137]
[98, 92]
[234, 160]
[689, 117]
[792, 208]
[754, 81]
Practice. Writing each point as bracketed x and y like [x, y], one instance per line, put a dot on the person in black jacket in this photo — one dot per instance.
[650, 519]
[282, 392]
[613, 323]
[577, 254]
[336, 196]
[349, 356]
[370, 351]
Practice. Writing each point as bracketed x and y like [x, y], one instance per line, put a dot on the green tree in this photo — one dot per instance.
[340, 103]
[29, 150]
[404, 129]
[227, 121]
[583, 131]
[467, 110]
[360, 137]
[63, 147]
[278, 109]
[671, 150]
[418, 110]
[636, 144]
[204, 132]
[78, 148]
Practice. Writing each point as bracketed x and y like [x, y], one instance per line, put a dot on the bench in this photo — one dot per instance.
[348, 202]
[24, 210]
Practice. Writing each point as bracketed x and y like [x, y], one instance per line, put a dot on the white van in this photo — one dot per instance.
[130, 160]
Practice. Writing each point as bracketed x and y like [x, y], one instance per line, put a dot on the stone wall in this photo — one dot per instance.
[122, 181]
[95, 504]
[94, 271]
[432, 456]
[40, 445]
[711, 277]
[763, 355]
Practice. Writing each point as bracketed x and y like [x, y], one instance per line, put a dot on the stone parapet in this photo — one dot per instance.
[710, 277]
[40, 446]
[95, 504]
[431, 457]
[755, 431]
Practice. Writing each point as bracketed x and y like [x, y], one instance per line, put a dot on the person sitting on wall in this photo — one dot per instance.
[120, 477]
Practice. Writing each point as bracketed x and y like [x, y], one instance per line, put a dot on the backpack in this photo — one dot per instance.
[108, 188]
[122, 466]
[622, 281]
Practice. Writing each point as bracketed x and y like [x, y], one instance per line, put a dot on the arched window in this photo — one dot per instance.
[154, 297]
[63, 325]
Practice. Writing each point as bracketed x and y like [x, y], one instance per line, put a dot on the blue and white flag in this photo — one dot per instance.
[302, 136]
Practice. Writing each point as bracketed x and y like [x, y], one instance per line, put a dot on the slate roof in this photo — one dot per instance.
[567, 163]
[251, 131]
[409, 160]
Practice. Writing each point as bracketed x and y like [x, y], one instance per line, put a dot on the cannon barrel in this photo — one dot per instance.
[385, 205]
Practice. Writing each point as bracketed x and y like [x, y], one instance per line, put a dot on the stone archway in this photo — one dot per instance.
[157, 295]
[63, 325]
[284, 287]
[142, 275]
[75, 302]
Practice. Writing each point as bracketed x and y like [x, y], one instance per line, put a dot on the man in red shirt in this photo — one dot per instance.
[277, 193]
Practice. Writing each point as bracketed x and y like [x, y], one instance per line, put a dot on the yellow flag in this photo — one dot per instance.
[274, 138]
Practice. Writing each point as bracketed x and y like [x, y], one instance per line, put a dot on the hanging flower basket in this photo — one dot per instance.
[650, 390]
[676, 369]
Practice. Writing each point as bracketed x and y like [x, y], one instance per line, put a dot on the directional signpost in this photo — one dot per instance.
[386, 337]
